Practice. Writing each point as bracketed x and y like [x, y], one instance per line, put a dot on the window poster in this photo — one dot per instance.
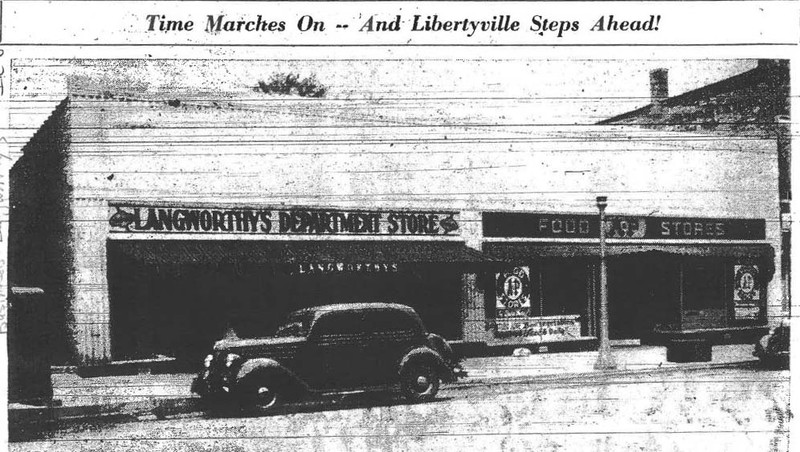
[513, 292]
[746, 292]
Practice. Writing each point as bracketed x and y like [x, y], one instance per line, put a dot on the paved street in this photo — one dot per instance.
[744, 409]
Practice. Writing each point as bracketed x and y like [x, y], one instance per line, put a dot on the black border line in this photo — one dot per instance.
[405, 1]
[723, 44]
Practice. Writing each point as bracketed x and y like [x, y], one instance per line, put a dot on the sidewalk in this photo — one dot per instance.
[137, 396]
[557, 365]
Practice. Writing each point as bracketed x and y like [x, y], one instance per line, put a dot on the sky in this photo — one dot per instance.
[501, 91]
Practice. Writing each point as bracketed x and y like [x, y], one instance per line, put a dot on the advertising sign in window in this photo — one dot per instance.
[515, 316]
[513, 292]
[746, 292]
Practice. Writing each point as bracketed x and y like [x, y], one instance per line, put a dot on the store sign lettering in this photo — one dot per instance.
[127, 218]
[564, 226]
[626, 227]
[341, 267]
[539, 329]
[527, 225]
[693, 229]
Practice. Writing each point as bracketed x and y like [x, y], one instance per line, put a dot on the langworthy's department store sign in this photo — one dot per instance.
[294, 221]
[529, 225]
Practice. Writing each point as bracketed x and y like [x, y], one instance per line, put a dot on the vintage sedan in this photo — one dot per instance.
[329, 349]
[773, 349]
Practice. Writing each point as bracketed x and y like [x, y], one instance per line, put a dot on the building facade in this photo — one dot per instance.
[753, 103]
[159, 224]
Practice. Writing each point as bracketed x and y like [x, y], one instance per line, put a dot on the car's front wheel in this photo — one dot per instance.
[420, 383]
[262, 393]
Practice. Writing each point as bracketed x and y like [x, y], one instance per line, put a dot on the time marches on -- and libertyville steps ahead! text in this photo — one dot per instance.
[538, 24]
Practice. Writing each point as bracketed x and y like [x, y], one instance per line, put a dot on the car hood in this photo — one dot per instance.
[268, 347]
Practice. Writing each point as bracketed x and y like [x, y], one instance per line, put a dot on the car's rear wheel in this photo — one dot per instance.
[420, 383]
[774, 362]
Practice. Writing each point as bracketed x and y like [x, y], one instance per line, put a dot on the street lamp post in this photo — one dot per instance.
[604, 358]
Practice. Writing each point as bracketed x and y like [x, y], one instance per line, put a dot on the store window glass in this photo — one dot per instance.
[703, 286]
[704, 295]
[544, 301]
[563, 288]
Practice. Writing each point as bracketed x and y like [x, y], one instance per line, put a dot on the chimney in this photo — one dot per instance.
[659, 85]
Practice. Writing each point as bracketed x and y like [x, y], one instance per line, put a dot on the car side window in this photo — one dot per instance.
[338, 323]
[391, 322]
[410, 323]
[361, 324]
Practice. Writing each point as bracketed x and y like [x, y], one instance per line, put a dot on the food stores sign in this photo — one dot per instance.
[243, 220]
[503, 224]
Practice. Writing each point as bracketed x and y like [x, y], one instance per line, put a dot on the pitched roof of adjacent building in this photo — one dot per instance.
[747, 103]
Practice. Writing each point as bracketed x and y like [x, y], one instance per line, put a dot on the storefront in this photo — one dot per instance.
[252, 266]
[158, 225]
[666, 275]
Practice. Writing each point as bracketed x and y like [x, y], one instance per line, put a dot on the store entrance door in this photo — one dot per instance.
[643, 293]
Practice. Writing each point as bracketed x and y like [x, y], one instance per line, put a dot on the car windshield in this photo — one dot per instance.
[296, 325]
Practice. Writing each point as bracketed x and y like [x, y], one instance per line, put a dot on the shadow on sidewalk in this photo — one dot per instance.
[319, 404]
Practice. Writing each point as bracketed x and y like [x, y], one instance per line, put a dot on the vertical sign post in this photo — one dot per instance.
[604, 358]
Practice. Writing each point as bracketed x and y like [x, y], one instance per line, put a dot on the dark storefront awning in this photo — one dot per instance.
[738, 251]
[525, 251]
[297, 252]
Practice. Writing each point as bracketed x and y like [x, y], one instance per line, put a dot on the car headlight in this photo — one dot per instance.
[230, 359]
[207, 361]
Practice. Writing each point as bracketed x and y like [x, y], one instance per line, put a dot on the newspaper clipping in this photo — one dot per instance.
[396, 226]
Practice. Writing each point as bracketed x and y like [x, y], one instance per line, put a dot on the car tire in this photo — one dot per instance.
[419, 383]
[774, 362]
[262, 393]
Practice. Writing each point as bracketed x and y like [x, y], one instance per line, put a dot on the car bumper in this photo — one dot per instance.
[454, 372]
[208, 384]
[200, 386]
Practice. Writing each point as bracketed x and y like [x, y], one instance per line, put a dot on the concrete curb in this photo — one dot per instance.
[607, 373]
[33, 422]
[30, 421]
[158, 407]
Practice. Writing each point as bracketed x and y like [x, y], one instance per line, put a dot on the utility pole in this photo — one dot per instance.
[783, 130]
[605, 360]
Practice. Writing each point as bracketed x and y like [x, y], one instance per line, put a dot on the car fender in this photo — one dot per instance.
[761, 346]
[270, 367]
[423, 355]
[440, 345]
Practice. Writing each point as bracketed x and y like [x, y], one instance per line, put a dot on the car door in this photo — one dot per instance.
[335, 344]
[378, 341]
[393, 334]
